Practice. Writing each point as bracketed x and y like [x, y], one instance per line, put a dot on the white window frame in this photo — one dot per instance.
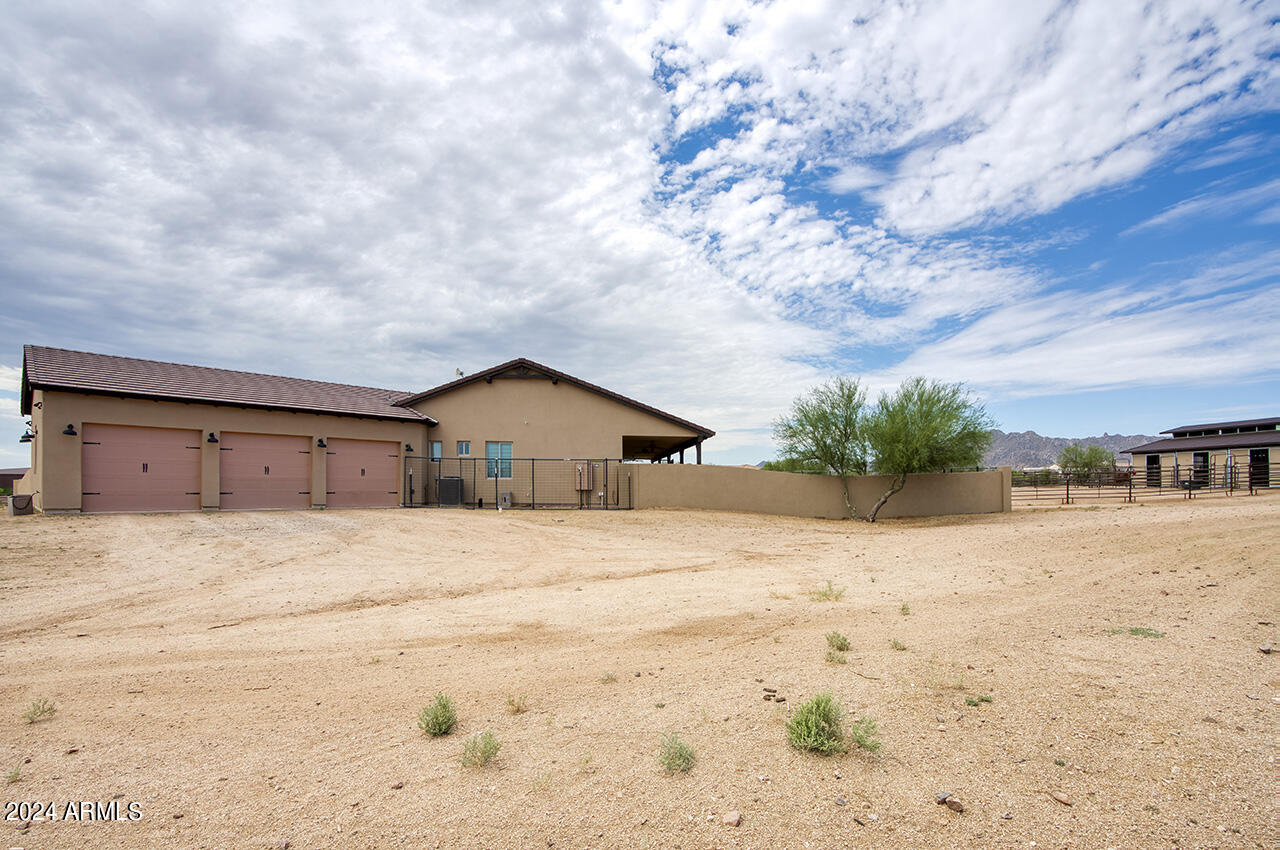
[464, 448]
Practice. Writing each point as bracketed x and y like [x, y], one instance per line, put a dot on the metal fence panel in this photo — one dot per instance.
[528, 483]
[1124, 484]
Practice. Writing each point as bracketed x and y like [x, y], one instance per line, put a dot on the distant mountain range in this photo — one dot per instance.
[1028, 449]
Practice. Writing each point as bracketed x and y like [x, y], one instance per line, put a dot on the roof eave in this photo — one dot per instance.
[186, 399]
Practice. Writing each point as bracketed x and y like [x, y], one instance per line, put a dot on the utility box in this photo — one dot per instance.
[450, 492]
[505, 500]
[21, 506]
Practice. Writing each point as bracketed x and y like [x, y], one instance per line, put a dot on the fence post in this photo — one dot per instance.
[1130, 485]
[606, 484]
[1067, 478]
[533, 485]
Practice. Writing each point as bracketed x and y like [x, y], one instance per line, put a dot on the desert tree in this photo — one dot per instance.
[823, 432]
[924, 426]
[1085, 462]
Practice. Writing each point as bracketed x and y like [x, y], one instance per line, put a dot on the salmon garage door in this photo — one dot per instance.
[363, 474]
[264, 471]
[126, 468]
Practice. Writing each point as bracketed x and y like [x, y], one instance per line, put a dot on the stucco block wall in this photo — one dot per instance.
[540, 419]
[732, 488]
[55, 473]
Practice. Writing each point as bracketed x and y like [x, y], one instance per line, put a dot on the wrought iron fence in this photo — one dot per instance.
[1133, 484]
[527, 483]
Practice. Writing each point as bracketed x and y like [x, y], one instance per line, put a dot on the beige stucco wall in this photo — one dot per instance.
[734, 488]
[55, 460]
[540, 419]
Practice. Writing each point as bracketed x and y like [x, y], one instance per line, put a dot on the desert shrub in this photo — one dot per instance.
[837, 641]
[439, 718]
[816, 726]
[517, 704]
[830, 593]
[480, 749]
[676, 756]
[835, 656]
[864, 734]
[41, 709]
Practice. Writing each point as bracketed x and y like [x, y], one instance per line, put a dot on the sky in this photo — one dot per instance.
[1071, 207]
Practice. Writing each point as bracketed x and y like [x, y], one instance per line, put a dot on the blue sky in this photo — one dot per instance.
[1073, 208]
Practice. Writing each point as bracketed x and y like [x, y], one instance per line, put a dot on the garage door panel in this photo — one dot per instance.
[363, 473]
[129, 468]
[264, 471]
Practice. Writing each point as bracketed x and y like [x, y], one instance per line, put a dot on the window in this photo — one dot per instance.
[464, 448]
[497, 460]
[437, 450]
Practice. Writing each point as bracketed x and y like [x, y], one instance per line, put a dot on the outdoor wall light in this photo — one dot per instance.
[408, 448]
[212, 438]
[70, 430]
[27, 437]
[321, 444]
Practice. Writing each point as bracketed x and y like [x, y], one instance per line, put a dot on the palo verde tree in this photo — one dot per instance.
[1085, 462]
[823, 432]
[924, 426]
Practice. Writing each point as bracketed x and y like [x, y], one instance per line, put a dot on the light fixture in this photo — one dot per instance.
[213, 438]
[408, 448]
[27, 437]
[321, 444]
[70, 430]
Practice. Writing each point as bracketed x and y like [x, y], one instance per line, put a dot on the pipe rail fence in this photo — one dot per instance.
[1133, 484]
[518, 483]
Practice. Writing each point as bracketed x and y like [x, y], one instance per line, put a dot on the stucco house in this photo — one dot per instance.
[1244, 453]
[115, 433]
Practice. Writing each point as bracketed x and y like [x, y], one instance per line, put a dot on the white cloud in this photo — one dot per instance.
[10, 378]
[1213, 204]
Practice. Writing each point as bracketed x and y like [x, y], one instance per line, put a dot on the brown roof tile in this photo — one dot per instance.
[80, 371]
[1248, 440]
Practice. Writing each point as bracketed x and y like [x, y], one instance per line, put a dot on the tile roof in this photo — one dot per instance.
[80, 371]
[527, 365]
[1248, 440]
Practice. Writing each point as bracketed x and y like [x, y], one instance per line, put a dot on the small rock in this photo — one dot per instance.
[770, 690]
[637, 675]
[939, 719]
[779, 699]
[840, 801]
[873, 817]
[1265, 649]
[73, 751]
[177, 815]
[763, 778]
[942, 796]
[1062, 798]
[954, 805]
[398, 786]
[24, 826]
[942, 727]
[768, 697]
[283, 845]
[1007, 816]
[759, 680]
[733, 818]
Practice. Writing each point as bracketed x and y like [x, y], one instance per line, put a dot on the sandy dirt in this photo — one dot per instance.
[249, 679]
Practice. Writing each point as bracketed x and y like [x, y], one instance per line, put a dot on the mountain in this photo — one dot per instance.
[1029, 449]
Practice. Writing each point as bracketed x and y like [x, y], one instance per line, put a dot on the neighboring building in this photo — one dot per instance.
[122, 434]
[1239, 454]
[9, 476]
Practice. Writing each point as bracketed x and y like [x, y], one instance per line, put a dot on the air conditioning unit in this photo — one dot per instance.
[450, 490]
[505, 500]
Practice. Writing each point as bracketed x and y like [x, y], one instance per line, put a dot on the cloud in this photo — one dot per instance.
[1126, 336]
[10, 378]
[1212, 204]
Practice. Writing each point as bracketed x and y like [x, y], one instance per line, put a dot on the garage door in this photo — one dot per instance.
[264, 471]
[363, 474]
[125, 468]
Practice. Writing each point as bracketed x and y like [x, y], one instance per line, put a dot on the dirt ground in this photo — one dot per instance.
[250, 679]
